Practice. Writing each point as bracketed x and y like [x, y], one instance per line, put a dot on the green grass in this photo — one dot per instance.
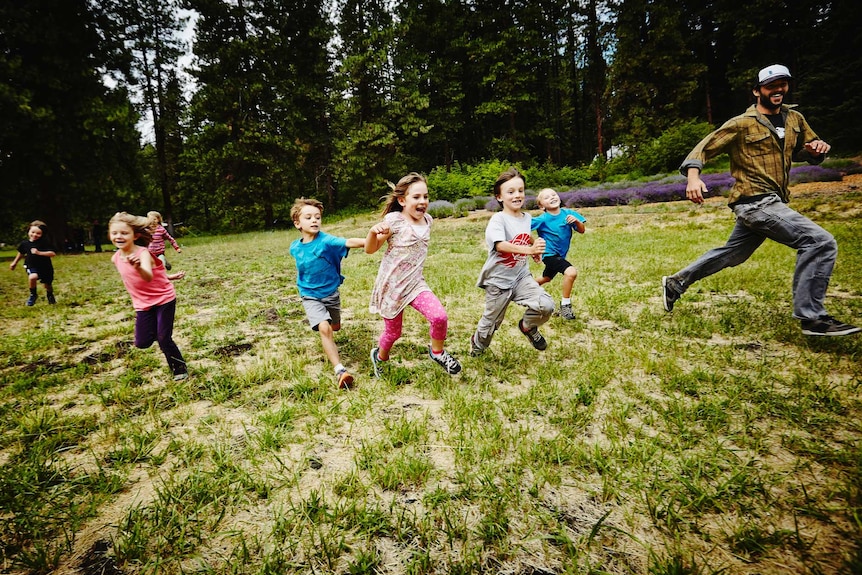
[716, 439]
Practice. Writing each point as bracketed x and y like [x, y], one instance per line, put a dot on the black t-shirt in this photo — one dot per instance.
[777, 123]
[32, 261]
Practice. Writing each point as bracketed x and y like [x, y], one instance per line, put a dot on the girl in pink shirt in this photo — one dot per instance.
[153, 295]
[400, 281]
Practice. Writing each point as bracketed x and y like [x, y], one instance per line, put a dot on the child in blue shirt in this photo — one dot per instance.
[555, 226]
[318, 258]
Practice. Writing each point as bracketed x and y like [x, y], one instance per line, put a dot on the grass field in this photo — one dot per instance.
[716, 439]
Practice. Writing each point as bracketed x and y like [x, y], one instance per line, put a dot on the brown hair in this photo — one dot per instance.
[399, 190]
[139, 224]
[504, 177]
[301, 203]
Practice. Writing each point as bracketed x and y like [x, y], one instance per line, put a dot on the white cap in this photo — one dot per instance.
[772, 73]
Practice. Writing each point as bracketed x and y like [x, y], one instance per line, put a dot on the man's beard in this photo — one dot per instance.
[767, 103]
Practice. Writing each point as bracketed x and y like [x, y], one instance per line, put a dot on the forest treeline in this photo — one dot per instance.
[283, 98]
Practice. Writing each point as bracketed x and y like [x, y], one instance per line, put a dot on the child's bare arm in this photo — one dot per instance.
[45, 254]
[17, 259]
[143, 264]
[356, 242]
[377, 236]
[537, 248]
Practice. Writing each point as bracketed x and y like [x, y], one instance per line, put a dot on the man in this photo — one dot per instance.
[761, 143]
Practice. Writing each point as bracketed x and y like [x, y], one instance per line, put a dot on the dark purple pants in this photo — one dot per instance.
[157, 324]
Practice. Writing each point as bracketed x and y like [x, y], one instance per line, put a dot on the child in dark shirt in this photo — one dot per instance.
[37, 255]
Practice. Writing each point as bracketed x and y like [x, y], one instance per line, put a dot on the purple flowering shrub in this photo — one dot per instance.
[664, 190]
[803, 174]
[667, 189]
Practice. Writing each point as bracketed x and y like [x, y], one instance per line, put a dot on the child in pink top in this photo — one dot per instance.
[400, 281]
[153, 295]
[159, 235]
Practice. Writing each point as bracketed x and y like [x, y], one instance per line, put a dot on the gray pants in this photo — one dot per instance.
[539, 304]
[769, 217]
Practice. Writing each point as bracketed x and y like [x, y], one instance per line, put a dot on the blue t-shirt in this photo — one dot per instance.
[555, 231]
[318, 264]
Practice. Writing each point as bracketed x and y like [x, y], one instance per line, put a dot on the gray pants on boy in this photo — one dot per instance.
[527, 293]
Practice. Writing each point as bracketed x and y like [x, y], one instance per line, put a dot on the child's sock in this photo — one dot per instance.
[437, 353]
[566, 301]
[339, 368]
[33, 291]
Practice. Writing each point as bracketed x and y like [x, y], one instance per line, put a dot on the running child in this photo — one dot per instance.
[506, 277]
[37, 255]
[160, 234]
[153, 295]
[318, 258]
[555, 225]
[400, 280]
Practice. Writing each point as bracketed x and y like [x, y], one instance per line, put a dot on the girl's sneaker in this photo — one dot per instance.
[446, 361]
[376, 362]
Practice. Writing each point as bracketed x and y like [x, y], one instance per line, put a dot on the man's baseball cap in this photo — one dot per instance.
[773, 73]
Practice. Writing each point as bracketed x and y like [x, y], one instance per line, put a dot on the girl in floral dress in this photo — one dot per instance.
[400, 282]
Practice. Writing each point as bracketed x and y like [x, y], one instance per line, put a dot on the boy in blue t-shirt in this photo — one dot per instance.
[318, 258]
[555, 226]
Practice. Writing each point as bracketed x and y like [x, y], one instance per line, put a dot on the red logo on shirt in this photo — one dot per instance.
[511, 260]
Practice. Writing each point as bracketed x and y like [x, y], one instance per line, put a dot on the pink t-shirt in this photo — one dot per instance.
[145, 294]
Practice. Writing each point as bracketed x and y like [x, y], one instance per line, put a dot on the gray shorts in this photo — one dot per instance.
[323, 309]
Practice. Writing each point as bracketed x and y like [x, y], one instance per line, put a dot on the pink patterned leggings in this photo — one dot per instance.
[429, 306]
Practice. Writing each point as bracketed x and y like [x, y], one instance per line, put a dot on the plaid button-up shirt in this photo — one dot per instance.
[757, 160]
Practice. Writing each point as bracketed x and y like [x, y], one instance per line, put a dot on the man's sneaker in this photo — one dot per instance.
[376, 362]
[446, 361]
[168, 265]
[474, 349]
[181, 376]
[827, 325]
[344, 379]
[534, 336]
[566, 311]
[670, 291]
[31, 301]
[50, 297]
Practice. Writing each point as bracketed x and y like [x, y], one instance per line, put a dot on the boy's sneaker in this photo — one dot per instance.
[344, 379]
[827, 325]
[376, 362]
[31, 301]
[446, 361]
[670, 291]
[181, 376]
[51, 299]
[474, 349]
[566, 311]
[534, 336]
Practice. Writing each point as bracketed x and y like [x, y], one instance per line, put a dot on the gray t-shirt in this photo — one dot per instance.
[504, 270]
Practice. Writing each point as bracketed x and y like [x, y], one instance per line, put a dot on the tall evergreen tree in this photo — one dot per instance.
[150, 31]
[256, 118]
[365, 141]
[69, 143]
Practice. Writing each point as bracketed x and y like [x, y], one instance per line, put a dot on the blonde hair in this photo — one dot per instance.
[539, 195]
[301, 203]
[38, 224]
[139, 224]
[154, 217]
[399, 190]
